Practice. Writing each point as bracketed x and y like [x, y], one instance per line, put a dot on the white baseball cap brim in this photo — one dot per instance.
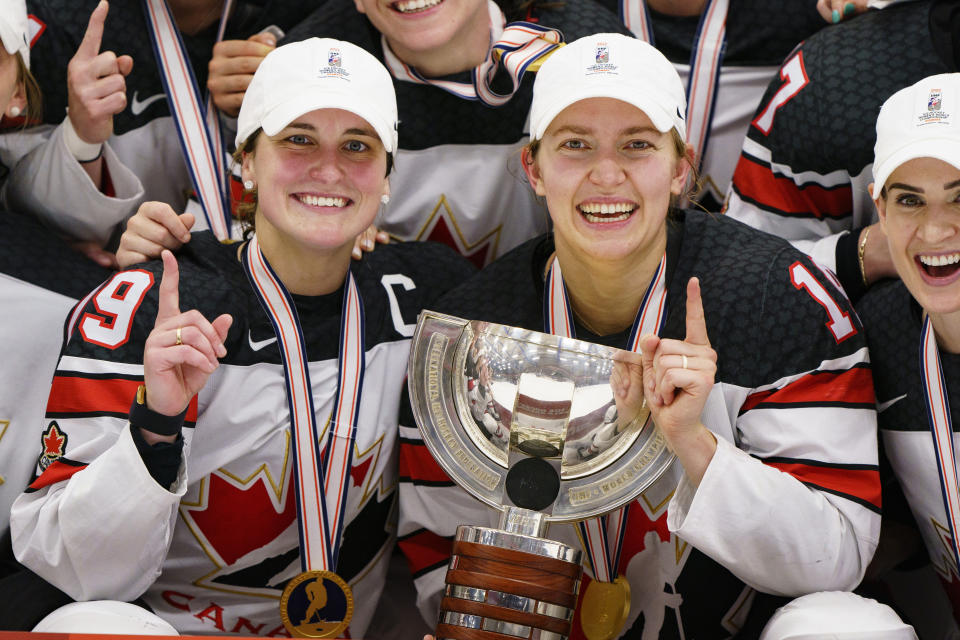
[946, 149]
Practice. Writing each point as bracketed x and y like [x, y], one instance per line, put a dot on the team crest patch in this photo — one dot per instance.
[603, 55]
[333, 57]
[54, 442]
[935, 100]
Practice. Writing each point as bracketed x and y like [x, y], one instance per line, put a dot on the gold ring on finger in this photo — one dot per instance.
[683, 355]
[180, 338]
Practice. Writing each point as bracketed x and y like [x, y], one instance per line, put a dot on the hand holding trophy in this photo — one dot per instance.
[545, 429]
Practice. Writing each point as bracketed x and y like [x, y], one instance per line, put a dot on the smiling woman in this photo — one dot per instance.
[237, 525]
[744, 344]
[916, 190]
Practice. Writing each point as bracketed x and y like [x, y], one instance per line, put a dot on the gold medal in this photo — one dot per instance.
[605, 608]
[316, 604]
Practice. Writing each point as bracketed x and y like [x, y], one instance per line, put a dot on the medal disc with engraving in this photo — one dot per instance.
[316, 604]
[605, 608]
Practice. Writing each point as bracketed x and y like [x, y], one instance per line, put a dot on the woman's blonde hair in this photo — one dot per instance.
[34, 111]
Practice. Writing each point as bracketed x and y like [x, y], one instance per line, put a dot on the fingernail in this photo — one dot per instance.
[836, 16]
[848, 8]
[383, 236]
[356, 253]
[368, 244]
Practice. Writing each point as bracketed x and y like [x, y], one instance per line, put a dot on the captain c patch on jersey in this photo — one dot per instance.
[54, 443]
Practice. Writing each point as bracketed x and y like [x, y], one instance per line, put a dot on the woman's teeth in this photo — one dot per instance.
[607, 212]
[321, 201]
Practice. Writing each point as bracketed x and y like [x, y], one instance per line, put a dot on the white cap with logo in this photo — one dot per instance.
[14, 28]
[319, 73]
[919, 121]
[609, 65]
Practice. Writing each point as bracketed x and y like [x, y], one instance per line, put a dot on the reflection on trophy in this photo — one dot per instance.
[544, 429]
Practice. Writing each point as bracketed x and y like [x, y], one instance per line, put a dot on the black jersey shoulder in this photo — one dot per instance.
[763, 326]
[507, 291]
[411, 275]
[851, 68]
[892, 320]
[34, 254]
[126, 33]
[429, 115]
[758, 33]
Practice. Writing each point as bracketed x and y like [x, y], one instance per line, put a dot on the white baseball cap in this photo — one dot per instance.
[838, 615]
[609, 65]
[105, 617]
[13, 28]
[319, 73]
[919, 121]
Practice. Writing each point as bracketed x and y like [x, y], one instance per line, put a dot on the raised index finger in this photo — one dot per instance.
[169, 298]
[696, 321]
[90, 45]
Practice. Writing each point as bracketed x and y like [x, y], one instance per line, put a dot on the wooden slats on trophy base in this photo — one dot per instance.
[514, 573]
[549, 623]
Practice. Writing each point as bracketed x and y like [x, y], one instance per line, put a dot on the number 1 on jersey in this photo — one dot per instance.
[840, 325]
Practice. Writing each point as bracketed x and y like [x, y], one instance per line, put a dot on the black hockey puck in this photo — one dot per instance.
[533, 484]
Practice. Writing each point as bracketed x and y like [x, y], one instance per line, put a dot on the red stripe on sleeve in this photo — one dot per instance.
[853, 386]
[756, 182]
[859, 483]
[70, 394]
[416, 463]
[56, 472]
[425, 549]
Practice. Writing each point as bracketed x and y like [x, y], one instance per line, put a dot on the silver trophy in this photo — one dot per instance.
[544, 429]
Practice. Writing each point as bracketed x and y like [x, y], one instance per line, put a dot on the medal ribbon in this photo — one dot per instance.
[706, 58]
[213, 123]
[941, 428]
[204, 161]
[517, 47]
[321, 480]
[598, 533]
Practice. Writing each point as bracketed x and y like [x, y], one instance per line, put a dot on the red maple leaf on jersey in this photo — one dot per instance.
[53, 442]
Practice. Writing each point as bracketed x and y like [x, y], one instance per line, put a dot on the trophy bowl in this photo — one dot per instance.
[544, 429]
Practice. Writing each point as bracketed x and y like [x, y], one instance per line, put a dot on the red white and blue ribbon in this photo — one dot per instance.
[516, 47]
[213, 121]
[599, 533]
[204, 161]
[941, 428]
[706, 58]
[322, 480]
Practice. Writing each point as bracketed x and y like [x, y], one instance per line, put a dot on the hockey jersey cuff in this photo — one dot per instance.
[143, 417]
[162, 459]
[690, 506]
[848, 266]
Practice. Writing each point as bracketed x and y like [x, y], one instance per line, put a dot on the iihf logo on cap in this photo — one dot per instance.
[934, 112]
[334, 66]
[597, 60]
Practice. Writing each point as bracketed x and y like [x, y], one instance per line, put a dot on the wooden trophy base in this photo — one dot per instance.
[505, 586]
